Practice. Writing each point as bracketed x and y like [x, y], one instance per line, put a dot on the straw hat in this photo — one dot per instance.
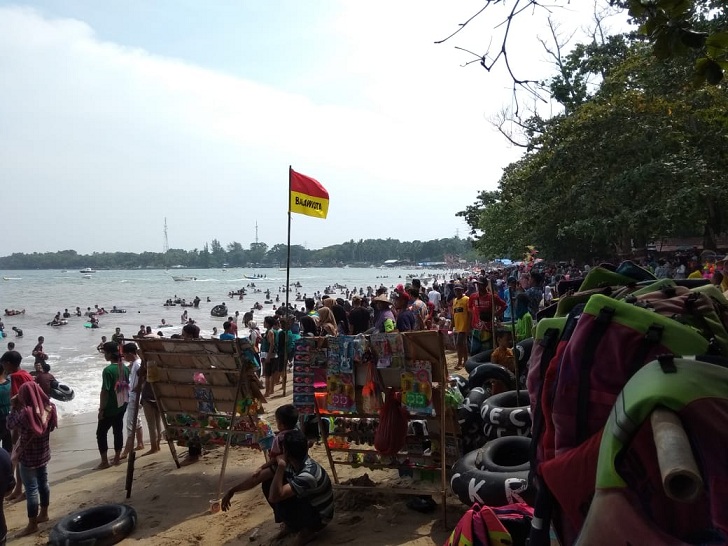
[383, 299]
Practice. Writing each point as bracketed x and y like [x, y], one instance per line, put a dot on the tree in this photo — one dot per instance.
[639, 159]
[674, 28]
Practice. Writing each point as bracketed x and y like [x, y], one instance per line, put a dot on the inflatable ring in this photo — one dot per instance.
[507, 454]
[460, 383]
[472, 403]
[219, 311]
[477, 359]
[501, 410]
[63, 393]
[486, 372]
[523, 352]
[471, 482]
[98, 526]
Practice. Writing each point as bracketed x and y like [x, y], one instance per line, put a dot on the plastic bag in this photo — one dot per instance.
[392, 430]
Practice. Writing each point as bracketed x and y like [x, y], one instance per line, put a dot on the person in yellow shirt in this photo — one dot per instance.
[460, 323]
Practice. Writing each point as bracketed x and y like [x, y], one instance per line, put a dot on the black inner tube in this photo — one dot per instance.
[94, 519]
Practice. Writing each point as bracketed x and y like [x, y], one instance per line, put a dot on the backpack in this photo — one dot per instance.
[486, 526]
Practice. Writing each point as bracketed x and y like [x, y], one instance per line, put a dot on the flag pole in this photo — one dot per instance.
[288, 279]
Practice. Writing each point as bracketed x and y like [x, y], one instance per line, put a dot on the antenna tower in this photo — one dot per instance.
[166, 239]
[256, 233]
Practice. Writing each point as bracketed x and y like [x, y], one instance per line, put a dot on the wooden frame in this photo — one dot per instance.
[198, 385]
[421, 345]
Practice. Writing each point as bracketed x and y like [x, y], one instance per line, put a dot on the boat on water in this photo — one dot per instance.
[87, 270]
[182, 278]
[12, 278]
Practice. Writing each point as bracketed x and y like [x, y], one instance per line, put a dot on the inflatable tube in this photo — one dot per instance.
[488, 371]
[62, 392]
[523, 353]
[509, 454]
[89, 325]
[98, 526]
[460, 382]
[477, 359]
[472, 403]
[59, 323]
[501, 410]
[219, 311]
[471, 482]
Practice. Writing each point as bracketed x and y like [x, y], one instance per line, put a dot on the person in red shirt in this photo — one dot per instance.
[481, 308]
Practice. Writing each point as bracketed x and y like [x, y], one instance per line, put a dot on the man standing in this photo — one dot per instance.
[113, 400]
[133, 429]
[117, 336]
[435, 298]
[482, 311]
[38, 352]
[460, 323]
[227, 331]
[509, 295]
[535, 293]
[359, 318]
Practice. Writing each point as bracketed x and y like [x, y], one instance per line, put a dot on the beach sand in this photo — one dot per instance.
[173, 505]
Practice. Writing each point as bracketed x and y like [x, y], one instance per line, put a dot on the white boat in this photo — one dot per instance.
[87, 270]
[12, 278]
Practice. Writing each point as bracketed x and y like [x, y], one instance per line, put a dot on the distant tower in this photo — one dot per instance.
[166, 239]
[256, 233]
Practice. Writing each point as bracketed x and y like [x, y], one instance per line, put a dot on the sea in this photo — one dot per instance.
[72, 352]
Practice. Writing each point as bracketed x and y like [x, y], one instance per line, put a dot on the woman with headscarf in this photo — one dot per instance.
[33, 415]
[327, 323]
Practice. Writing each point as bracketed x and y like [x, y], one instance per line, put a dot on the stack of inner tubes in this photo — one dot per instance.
[494, 475]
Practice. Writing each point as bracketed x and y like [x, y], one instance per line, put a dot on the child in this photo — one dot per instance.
[503, 355]
[286, 421]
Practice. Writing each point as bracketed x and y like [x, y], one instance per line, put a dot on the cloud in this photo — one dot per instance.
[99, 141]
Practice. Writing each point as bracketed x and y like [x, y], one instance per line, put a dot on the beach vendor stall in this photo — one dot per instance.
[207, 392]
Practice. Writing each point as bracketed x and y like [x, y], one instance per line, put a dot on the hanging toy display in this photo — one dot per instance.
[416, 383]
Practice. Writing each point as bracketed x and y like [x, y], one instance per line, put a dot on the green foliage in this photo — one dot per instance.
[362, 252]
[686, 28]
[643, 157]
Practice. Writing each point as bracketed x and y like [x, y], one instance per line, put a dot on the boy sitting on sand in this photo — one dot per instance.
[298, 489]
[286, 421]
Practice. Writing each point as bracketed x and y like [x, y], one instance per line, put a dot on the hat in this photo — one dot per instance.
[252, 324]
[458, 286]
[383, 299]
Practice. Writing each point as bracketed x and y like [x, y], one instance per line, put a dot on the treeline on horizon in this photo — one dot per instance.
[362, 252]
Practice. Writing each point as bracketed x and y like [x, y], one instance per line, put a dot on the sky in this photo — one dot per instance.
[116, 116]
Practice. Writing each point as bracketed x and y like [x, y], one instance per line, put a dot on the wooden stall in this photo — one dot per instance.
[359, 372]
[207, 392]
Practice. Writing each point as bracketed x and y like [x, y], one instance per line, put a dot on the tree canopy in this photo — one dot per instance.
[674, 28]
[639, 158]
[361, 252]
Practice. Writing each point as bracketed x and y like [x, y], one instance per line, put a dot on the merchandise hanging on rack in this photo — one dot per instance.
[411, 433]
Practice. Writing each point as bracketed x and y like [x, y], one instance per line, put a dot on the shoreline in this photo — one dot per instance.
[73, 447]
